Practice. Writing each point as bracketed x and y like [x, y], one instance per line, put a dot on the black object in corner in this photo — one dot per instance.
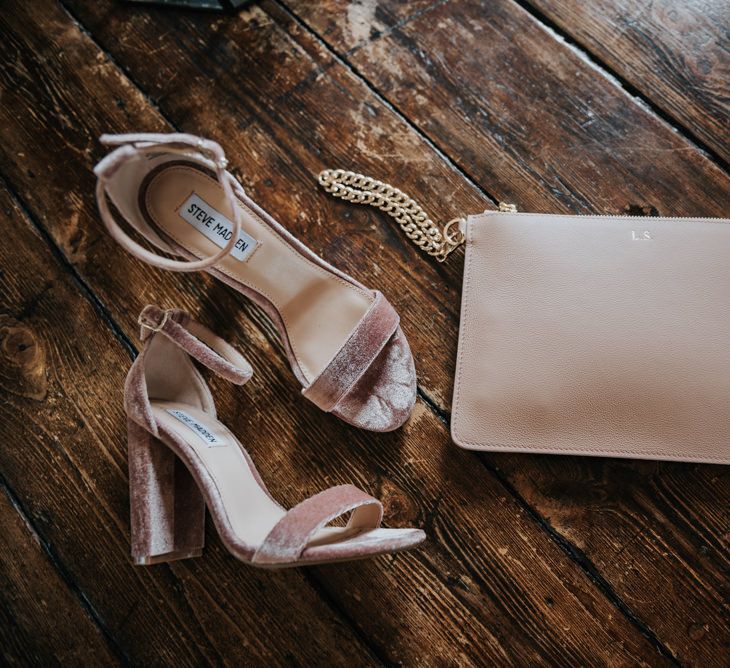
[195, 4]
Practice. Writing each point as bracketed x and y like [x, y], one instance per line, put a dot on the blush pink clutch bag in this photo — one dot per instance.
[595, 335]
[582, 335]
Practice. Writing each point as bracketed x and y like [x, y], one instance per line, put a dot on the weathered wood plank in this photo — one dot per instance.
[530, 119]
[675, 53]
[490, 572]
[657, 531]
[42, 622]
[63, 371]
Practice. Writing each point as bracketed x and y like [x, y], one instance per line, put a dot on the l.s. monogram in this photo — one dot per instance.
[641, 235]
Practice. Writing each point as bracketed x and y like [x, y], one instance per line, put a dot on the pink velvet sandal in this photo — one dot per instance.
[343, 341]
[182, 459]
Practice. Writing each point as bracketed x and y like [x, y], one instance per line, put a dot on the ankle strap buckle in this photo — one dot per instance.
[212, 151]
[142, 321]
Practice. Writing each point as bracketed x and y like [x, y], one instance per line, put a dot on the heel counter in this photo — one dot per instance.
[136, 398]
[163, 372]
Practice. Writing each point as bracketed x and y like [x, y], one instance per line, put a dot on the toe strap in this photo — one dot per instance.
[287, 540]
[356, 355]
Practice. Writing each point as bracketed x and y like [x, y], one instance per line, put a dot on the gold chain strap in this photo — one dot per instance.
[418, 227]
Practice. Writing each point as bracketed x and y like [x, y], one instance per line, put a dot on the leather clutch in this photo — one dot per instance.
[595, 335]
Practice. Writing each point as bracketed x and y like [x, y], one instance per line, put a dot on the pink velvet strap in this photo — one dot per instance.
[287, 540]
[196, 340]
[134, 147]
[356, 355]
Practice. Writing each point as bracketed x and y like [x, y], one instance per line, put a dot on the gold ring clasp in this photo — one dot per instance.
[453, 238]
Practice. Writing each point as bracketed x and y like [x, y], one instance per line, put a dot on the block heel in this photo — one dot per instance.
[167, 510]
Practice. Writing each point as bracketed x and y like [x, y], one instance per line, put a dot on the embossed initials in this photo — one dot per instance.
[641, 235]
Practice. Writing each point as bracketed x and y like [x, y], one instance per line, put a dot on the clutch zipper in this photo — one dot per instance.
[601, 215]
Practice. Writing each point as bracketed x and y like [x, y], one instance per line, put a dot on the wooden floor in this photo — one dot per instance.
[595, 106]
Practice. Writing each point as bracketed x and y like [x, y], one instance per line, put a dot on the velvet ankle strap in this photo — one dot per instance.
[196, 340]
[132, 147]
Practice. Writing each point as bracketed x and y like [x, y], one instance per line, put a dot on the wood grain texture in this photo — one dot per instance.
[42, 622]
[68, 467]
[490, 571]
[676, 53]
[530, 119]
[658, 532]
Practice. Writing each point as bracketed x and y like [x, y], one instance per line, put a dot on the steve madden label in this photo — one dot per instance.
[205, 434]
[216, 227]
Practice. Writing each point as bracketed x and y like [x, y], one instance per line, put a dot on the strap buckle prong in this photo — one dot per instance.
[153, 328]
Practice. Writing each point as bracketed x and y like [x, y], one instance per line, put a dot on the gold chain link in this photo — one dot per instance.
[418, 227]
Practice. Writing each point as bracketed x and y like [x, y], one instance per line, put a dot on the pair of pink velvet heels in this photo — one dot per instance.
[343, 341]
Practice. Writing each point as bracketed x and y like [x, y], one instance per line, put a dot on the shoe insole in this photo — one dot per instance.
[319, 309]
[250, 511]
